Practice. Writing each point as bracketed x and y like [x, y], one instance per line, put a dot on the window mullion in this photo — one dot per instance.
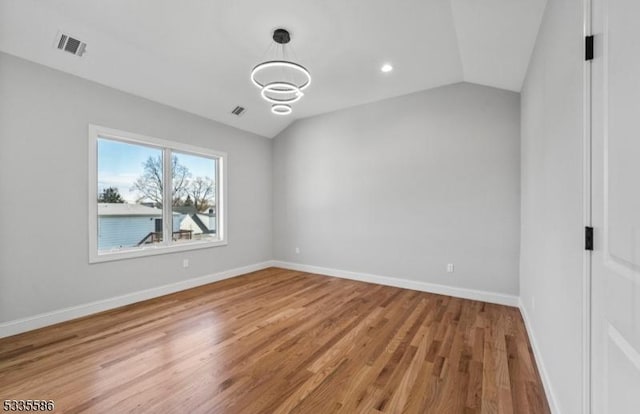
[167, 200]
[220, 229]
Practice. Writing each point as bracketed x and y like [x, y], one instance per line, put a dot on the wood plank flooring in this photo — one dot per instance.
[279, 341]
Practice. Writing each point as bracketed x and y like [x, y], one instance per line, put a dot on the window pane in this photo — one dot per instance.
[194, 197]
[129, 195]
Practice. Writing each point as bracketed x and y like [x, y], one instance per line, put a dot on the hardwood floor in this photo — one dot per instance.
[279, 341]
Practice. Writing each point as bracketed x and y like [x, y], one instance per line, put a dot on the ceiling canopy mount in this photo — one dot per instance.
[281, 36]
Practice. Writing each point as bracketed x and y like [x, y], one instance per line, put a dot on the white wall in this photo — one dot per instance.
[44, 257]
[551, 270]
[404, 186]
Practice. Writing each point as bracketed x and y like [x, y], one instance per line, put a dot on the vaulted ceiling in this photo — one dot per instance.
[196, 55]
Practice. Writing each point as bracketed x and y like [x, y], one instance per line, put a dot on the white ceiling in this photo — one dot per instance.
[196, 55]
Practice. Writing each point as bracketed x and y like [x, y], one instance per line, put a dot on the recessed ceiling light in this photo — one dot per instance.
[386, 68]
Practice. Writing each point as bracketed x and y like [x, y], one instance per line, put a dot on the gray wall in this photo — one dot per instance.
[402, 187]
[551, 270]
[44, 262]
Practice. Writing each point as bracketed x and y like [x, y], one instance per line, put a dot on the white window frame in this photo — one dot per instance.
[95, 256]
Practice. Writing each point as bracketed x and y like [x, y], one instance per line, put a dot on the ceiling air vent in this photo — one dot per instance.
[238, 110]
[70, 44]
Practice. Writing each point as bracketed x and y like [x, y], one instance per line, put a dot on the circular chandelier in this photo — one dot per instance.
[281, 81]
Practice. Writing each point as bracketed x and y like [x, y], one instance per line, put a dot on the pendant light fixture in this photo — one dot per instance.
[281, 81]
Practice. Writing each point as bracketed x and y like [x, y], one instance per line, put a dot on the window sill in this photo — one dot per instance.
[95, 257]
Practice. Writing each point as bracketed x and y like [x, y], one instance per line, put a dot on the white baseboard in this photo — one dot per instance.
[49, 318]
[544, 376]
[492, 297]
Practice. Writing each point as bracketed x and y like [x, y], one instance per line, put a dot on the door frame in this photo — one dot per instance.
[587, 216]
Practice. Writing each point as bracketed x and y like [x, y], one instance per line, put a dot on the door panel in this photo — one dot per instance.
[616, 208]
[624, 376]
[623, 71]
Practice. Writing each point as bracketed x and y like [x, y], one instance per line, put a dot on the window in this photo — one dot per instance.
[150, 196]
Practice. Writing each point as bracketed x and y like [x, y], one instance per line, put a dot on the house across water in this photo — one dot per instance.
[122, 225]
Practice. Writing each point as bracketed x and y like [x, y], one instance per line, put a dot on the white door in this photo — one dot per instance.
[616, 207]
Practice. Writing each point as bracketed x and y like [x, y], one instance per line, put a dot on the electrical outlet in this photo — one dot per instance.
[450, 268]
[297, 250]
[185, 263]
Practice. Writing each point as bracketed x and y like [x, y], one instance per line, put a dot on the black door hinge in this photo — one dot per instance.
[588, 238]
[588, 48]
